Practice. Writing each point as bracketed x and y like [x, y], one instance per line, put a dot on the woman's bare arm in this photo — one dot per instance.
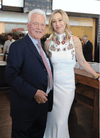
[80, 58]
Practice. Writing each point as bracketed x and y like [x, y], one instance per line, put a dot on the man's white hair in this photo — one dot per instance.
[85, 36]
[39, 11]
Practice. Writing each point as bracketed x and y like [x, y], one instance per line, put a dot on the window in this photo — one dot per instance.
[45, 5]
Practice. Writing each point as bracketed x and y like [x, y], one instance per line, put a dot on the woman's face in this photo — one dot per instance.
[58, 23]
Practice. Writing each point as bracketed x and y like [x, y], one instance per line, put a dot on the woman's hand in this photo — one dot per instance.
[97, 77]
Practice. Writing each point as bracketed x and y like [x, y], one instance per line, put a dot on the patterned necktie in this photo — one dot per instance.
[46, 64]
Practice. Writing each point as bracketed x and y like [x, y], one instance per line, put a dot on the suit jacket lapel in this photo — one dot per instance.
[32, 48]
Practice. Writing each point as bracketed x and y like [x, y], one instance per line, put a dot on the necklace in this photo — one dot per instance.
[57, 40]
[61, 39]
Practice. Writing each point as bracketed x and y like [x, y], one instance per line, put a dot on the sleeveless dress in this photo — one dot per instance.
[63, 61]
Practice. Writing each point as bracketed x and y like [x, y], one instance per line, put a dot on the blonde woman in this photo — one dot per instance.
[63, 49]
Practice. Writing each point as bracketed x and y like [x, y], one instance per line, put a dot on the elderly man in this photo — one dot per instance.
[87, 48]
[29, 75]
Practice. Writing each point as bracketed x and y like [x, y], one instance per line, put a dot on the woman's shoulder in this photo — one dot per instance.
[75, 38]
[47, 42]
[76, 41]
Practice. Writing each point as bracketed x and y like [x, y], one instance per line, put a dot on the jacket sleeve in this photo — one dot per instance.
[13, 74]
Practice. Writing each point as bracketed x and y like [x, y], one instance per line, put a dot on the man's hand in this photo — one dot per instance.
[40, 96]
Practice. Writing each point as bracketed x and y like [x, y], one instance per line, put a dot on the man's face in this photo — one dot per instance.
[10, 37]
[84, 39]
[36, 27]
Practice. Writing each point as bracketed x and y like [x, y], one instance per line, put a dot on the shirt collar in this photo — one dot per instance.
[33, 40]
[86, 41]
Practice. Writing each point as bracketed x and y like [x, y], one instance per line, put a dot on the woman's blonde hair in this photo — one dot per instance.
[65, 18]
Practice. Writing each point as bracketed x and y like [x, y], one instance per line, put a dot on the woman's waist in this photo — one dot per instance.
[64, 76]
[64, 83]
[63, 67]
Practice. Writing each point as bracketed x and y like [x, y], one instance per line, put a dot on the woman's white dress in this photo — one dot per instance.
[63, 61]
